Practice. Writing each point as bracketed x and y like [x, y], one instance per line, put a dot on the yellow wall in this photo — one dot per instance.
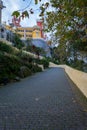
[8, 27]
[36, 34]
[26, 32]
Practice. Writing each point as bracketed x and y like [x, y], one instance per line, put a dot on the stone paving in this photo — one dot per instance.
[44, 101]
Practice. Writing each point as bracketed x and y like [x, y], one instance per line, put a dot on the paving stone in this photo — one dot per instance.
[45, 101]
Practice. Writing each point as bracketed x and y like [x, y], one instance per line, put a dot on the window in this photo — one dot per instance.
[28, 30]
[37, 34]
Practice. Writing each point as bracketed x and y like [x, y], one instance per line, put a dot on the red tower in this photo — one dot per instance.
[16, 21]
[40, 24]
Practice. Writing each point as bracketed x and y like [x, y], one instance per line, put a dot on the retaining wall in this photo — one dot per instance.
[78, 77]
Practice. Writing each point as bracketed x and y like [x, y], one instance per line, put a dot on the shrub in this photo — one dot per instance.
[24, 71]
[5, 48]
[24, 57]
[77, 64]
[45, 63]
[17, 41]
[36, 68]
[9, 66]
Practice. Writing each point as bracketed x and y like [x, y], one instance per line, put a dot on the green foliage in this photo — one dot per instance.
[68, 21]
[29, 48]
[16, 13]
[17, 41]
[26, 59]
[25, 14]
[39, 51]
[44, 62]
[36, 68]
[10, 63]
[60, 53]
[34, 49]
[78, 64]
[36, 1]
[9, 66]
[24, 72]
[5, 48]
[15, 64]
[55, 60]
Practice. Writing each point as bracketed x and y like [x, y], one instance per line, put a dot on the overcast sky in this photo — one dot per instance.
[12, 5]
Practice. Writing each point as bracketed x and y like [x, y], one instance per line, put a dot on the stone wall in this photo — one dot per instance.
[78, 77]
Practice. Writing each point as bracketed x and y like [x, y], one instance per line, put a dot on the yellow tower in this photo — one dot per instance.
[36, 32]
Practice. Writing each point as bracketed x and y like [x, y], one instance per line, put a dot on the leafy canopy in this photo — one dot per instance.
[68, 20]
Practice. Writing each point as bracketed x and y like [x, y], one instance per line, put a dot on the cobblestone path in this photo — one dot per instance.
[44, 101]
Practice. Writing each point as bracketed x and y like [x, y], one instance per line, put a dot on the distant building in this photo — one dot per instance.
[36, 32]
[15, 27]
[26, 32]
[40, 24]
[31, 32]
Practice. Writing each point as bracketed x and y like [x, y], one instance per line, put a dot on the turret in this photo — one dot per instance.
[40, 24]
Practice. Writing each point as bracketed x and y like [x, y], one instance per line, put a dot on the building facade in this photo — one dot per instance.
[40, 24]
[26, 32]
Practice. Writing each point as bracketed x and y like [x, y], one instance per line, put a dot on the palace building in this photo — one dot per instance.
[26, 32]
[15, 27]
[29, 32]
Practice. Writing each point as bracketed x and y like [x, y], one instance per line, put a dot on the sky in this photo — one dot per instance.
[12, 5]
